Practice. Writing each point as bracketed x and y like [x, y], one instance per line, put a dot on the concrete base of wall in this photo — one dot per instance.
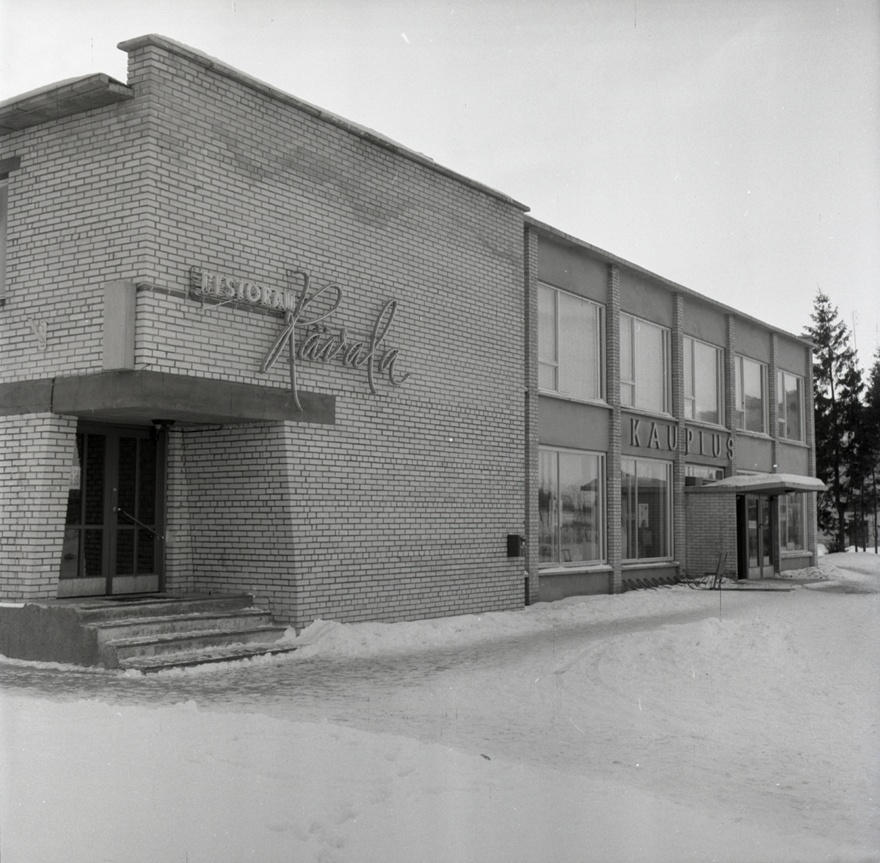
[47, 632]
[561, 585]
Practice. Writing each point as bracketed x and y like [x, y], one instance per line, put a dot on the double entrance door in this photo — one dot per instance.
[755, 536]
[113, 536]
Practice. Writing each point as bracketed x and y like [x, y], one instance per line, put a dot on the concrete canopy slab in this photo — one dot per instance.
[143, 396]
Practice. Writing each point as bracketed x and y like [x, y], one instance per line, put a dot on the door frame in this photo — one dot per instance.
[765, 504]
[112, 433]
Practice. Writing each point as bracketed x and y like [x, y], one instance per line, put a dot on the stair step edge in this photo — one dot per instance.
[173, 618]
[209, 656]
[169, 637]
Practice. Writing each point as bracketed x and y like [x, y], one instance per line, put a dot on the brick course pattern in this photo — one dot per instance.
[402, 508]
[35, 473]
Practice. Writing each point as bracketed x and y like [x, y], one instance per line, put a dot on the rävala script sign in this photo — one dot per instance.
[306, 309]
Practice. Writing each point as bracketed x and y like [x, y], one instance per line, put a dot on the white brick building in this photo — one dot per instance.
[250, 346]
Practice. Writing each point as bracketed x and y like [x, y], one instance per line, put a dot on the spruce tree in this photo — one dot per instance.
[837, 384]
[872, 442]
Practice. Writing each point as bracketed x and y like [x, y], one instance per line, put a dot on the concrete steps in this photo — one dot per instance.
[150, 633]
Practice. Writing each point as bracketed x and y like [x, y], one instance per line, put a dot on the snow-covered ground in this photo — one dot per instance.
[665, 725]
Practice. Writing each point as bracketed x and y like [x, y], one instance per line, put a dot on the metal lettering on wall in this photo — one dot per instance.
[649, 434]
[307, 309]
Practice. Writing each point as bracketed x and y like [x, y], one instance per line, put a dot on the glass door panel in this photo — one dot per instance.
[113, 530]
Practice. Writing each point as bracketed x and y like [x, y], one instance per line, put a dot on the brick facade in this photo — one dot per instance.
[378, 475]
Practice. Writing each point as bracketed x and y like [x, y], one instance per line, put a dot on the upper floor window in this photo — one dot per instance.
[571, 506]
[750, 409]
[569, 344]
[790, 399]
[703, 382]
[644, 365]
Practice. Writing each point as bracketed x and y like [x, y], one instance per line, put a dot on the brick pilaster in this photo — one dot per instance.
[773, 399]
[679, 534]
[730, 388]
[612, 396]
[531, 516]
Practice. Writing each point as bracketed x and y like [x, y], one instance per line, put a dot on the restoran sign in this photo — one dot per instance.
[306, 308]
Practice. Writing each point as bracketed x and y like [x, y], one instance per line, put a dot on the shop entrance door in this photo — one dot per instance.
[758, 536]
[113, 541]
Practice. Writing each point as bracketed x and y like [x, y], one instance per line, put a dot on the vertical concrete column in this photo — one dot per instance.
[679, 534]
[530, 322]
[812, 500]
[612, 396]
[773, 398]
[730, 388]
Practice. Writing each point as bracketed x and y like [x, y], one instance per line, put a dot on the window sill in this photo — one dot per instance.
[572, 568]
[758, 435]
[649, 414]
[651, 564]
[550, 394]
[711, 426]
[798, 443]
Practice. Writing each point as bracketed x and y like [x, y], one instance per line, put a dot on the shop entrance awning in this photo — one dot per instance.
[762, 483]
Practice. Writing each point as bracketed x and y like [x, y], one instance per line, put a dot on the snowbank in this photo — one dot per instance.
[669, 726]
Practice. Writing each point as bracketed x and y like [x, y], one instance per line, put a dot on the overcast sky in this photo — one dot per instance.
[732, 146]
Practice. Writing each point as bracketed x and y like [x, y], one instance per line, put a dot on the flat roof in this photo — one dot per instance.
[271, 92]
[62, 99]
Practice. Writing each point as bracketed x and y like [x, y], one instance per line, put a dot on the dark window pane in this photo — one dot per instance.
[70, 553]
[125, 552]
[146, 511]
[93, 545]
[146, 552]
[128, 447]
[93, 481]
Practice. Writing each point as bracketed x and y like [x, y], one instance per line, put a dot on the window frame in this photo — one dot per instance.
[689, 364]
[632, 382]
[739, 409]
[670, 512]
[596, 380]
[782, 421]
[785, 509]
[602, 533]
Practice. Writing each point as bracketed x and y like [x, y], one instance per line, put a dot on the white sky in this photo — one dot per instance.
[729, 145]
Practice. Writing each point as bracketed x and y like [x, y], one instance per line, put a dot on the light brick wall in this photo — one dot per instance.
[711, 529]
[402, 508]
[75, 222]
[35, 462]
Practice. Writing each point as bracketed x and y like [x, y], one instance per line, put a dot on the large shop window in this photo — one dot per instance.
[571, 505]
[644, 365]
[703, 382]
[569, 344]
[750, 394]
[790, 393]
[646, 508]
[792, 524]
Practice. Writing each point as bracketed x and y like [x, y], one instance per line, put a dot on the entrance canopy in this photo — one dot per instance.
[761, 483]
[145, 396]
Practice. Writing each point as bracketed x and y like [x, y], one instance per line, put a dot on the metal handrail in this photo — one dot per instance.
[139, 523]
